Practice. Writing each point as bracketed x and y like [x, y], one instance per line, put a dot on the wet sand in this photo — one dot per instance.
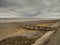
[9, 30]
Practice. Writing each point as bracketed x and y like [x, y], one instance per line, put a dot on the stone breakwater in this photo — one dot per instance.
[34, 27]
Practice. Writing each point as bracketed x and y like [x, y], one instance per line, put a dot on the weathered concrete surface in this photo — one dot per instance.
[44, 38]
[55, 39]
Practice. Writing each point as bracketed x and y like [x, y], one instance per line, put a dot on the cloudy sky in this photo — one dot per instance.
[29, 8]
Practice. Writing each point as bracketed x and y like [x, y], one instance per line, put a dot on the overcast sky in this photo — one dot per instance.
[29, 8]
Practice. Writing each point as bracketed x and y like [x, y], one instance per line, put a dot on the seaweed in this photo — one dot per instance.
[17, 40]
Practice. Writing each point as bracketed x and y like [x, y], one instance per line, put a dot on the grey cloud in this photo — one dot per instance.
[49, 15]
[30, 8]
